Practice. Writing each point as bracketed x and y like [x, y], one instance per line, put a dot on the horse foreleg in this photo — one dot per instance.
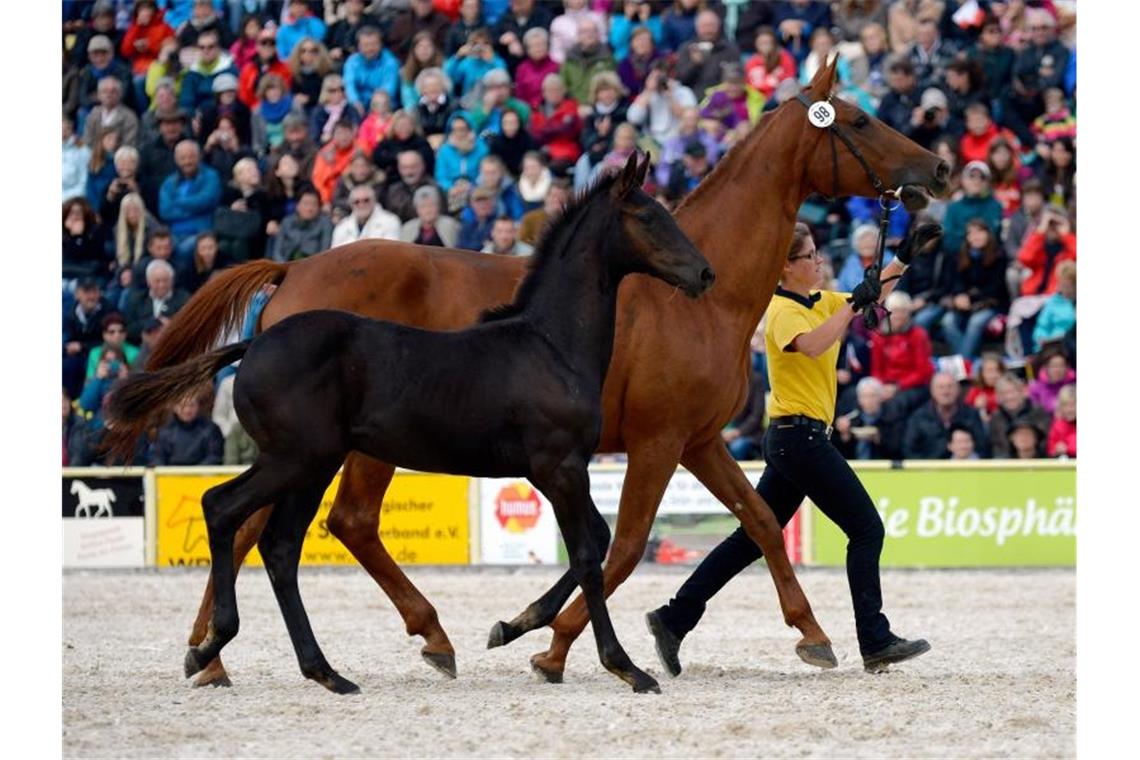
[711, 464]
[355, 520]
[646, 478]
[246, 538]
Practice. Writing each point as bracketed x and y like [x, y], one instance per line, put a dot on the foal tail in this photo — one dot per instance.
[214, 311]
[140, 400]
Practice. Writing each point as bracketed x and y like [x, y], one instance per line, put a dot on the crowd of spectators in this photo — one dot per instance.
[202, 133]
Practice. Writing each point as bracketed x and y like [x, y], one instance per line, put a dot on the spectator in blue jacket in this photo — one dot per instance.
[372, 67]
[187, 199]
[976, 202]
[299, 23]
[478, 219]
[471, 61]
[198, 82]
[458, 158]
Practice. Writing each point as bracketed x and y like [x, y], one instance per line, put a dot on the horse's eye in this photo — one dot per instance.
[645, 217]
[861, 121]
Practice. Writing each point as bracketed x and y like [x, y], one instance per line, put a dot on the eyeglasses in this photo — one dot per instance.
[814, 255]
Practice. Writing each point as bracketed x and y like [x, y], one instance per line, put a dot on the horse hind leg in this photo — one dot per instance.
[280, 547]
[355, 521]
[226, 508]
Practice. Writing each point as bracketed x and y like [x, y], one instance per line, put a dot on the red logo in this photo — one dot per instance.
[517, 508]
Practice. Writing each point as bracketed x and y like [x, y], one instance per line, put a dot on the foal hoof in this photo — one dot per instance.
[501, 633]
[213, 675]
[336, 683]
[190, 664]
[544, 671]
[444, 663]
[643, 683]
[819, 655]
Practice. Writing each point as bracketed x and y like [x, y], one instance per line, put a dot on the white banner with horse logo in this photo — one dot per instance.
[103, 523]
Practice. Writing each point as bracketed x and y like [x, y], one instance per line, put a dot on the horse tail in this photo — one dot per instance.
[140, 400]
[213, 312]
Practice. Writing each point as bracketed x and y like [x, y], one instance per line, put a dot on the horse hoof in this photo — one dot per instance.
[444, 663]
[341, 685]
[213, 675]
[544, 672]
[646, 685]
[190, 664]
[819, 655]
[498, 635]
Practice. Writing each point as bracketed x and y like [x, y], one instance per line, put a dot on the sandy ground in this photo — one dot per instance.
[1000, 681]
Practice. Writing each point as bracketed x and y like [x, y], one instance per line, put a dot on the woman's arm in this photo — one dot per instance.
[817, 341]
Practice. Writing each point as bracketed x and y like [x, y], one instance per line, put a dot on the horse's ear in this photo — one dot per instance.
[643, 170]
[627, 180]
[824, 79]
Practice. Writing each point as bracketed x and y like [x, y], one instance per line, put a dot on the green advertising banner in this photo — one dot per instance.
[982, 515]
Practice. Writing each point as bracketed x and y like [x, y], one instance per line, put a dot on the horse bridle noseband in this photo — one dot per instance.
[887, 196]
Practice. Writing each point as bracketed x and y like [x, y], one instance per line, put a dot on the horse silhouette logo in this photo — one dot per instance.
[98, 498]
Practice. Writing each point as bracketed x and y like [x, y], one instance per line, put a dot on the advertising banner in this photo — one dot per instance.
[423, 520]
[517, 524]
[103, 523]
[981, 516]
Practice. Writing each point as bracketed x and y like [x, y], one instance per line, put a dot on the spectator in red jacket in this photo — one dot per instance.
[265, 62]
[983, 392]
[556, 125]
[900, 354]
[144, 37]
[1063, 433]
[980, 132]
[1047, 246]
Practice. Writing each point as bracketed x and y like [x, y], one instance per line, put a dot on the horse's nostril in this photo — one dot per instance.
[942, 171]
[707, 276]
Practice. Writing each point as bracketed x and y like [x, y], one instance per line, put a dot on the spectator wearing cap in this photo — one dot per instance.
[226, 104]
[472, 61]
[82, 331]
[165, 100]
[512, 27]
[151, 332]
[113, 337]
[367, 220]
[188, 197]
[977, 289]
[732, 102]
[470, 19]
[477, 219]
[341, 37]
[587, 58]
[1013, 407]
[535, 67]
[412, 176]
[102, 22]
[332, 160]
[930, 54]
[686, 174]
[142, 42]
[492, 100]
[198, 84]
[101, 65]
[267, 121]
[770, 64]
[927, 430]
[189, 439]
[897, 107]
[370, 68]
[458, 159]
[304, 232]
[977, 202]
[161, 300]
[564, 28]
[419, 17]
[299, 22]
[981, 131]
[266, 61]
[699, 60]
[428, 226]
[995, 59]
[298, 144]
[932, 119]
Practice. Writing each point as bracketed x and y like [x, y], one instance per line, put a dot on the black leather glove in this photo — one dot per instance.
[868, 291]
[922, 240]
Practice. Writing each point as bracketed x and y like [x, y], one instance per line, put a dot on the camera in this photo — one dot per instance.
[930, 115]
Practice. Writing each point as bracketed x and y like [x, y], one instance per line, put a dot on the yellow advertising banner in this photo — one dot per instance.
[423, 521]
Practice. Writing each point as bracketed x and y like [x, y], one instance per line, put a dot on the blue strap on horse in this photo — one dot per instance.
[253, 314]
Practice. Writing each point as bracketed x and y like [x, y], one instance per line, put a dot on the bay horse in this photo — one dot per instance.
[667, 395]
[322, 383]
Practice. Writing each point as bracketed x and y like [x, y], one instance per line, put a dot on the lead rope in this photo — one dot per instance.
[871, 316]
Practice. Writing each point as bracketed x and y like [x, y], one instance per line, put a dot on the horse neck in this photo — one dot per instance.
[574, 304]
[743, 215]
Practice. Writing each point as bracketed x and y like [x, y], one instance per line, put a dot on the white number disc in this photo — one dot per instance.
[821, 114]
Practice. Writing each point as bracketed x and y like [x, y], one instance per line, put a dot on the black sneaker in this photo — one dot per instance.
[665, 642]
[897, 651]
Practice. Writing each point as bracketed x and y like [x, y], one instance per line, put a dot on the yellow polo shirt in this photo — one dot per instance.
[801, 384]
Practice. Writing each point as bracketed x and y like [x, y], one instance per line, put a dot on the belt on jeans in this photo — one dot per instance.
[799, 420]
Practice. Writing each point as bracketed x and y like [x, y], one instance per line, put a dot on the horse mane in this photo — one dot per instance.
[552, 243]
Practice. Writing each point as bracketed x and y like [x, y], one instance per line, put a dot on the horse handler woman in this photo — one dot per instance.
[804, 330]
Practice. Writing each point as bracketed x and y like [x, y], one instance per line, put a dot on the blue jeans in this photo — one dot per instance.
[927, 317]
[966, 343]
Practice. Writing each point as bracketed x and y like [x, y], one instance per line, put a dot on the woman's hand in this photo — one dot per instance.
[962, 302]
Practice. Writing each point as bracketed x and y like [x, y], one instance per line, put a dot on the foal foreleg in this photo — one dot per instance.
[355, 520]
[719, 472]
[214, 673]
